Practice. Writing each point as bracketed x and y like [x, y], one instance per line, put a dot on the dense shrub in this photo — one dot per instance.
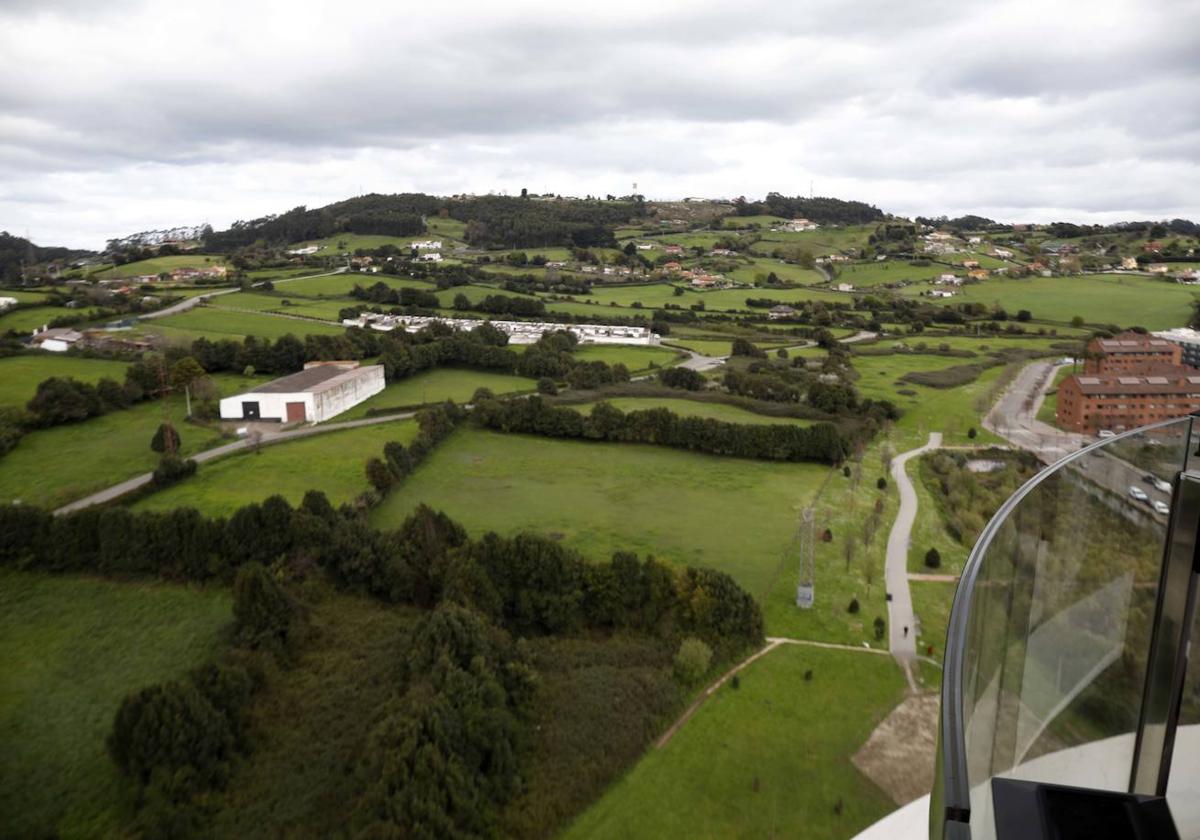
[933, 558]
[951, 377]
[680, 377]
[165, 439]
[692, 661]
[172, 468]
[263, 613]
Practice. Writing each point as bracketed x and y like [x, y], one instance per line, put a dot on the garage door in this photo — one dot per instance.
[250, 411]
[295, 412]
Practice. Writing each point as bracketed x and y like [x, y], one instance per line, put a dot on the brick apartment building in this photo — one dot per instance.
[1130, 352]
[1128, 381]
[1114, 401]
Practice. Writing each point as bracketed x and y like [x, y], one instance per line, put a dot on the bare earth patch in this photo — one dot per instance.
[899, 755]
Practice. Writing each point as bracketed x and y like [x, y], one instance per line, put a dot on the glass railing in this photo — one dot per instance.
[1067, 640]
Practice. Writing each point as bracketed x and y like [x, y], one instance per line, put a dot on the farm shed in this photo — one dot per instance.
[315, 394]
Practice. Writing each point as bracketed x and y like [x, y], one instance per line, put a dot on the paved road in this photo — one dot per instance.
[268, 438]
[1014, 417]
[900, 612]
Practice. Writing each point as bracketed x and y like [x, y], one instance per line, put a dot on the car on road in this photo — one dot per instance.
[1138, 493]
[1161, 486]
[1106, 433]
[1162, 507]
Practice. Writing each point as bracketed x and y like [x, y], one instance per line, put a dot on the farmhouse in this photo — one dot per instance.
[1158, 268]
[978, 274]
[674, 249]
[426, 245]
[1129, 263]
[844, 287]
[305, 251]
[431, 256]
[6, 302]
[941, 293]
[57, 340]
[948, 280]
[780, 311]
[321, 391]
[799, 225]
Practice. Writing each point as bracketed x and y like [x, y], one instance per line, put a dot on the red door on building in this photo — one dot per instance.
[295, 412]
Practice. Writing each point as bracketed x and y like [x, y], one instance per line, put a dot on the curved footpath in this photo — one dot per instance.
[268, 438]
[185, 305]
[903, 645]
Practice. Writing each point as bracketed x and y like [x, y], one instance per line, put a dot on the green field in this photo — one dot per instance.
[157, 265]
[768, 759]
[73, 648]
[929, 531]
[1123, 299]
[23, 295]
[760, 267]
[340, 285]
[439, 385]
[333, 462]
[704, 346]
[697, 408]
[738, 222]
[636, 359]
[952, 411]
[890, 271]
[54, 466]
[34, 317]
[20, 375]
[223, 323]
[603, 497]
[931, 603]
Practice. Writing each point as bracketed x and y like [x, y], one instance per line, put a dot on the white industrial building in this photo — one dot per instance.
[321, 391]
[1188, 339]
[519, 332]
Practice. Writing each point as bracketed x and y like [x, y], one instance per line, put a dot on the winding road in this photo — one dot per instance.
[903, 645]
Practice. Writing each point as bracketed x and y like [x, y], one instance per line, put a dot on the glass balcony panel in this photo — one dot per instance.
[1060, 597]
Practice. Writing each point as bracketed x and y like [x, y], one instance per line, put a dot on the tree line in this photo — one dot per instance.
[821, 442]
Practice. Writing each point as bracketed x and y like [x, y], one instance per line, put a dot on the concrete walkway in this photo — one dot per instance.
[900, 612]
[125, 487]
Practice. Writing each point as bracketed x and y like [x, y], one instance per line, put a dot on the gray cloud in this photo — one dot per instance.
[122, 116]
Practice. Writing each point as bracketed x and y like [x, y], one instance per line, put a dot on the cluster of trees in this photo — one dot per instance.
[405, 296]
[390, 215]
[286, 354]
[448, 750]
[681, 377]
[826, 211]
[968, 499]
[399, 461]
[17, 252]
[502, 305]
[504, 222]
[823, 442]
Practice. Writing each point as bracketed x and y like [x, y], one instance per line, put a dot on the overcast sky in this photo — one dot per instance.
[118, 116]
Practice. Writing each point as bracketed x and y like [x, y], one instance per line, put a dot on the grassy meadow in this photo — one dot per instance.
[20, 375]
[598, 498]
[768, 759]
[219, 323]
[73, 648]
[334, 462]
[51, 467]
[698, 408]
[439, 385]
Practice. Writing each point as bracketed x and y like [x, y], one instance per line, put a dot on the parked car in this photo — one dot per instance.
[1162, 486]
[1162, 507]
[1106, 433]
[1138, 493]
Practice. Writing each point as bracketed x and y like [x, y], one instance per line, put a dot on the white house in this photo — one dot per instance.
[948, 280]
[6, 302]
[779, 311]
[427, 245]
[974, 240]
[844, 287]
[305, 251]
[799, 225]
[430, 257]
[58, 340]
[321, 391]
[941, 293]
